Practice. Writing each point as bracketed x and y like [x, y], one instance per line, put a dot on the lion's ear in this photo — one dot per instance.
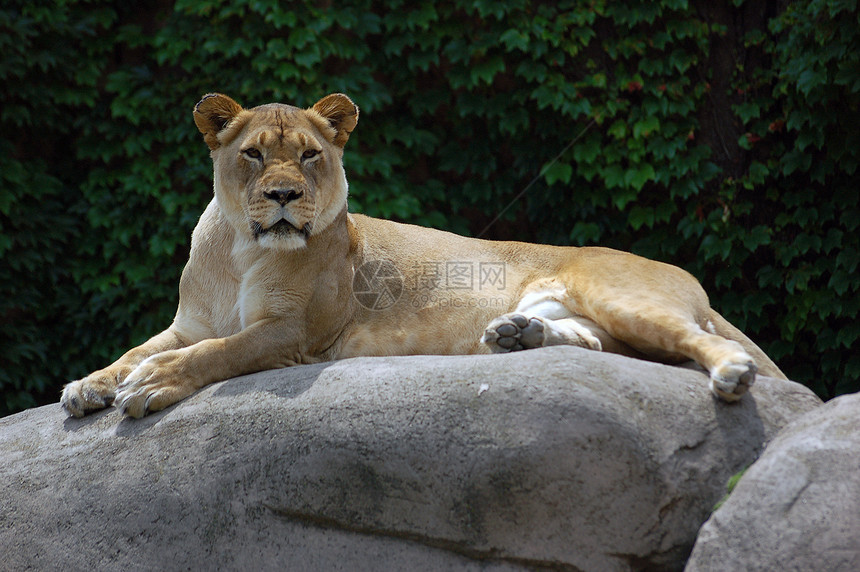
[212, 114]
[341, 113]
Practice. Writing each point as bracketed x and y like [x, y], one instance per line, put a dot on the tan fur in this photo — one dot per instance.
[275, 259]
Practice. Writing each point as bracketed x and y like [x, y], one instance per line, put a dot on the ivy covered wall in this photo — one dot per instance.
[722, 137]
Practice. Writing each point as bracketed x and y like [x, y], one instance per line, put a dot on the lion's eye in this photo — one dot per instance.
[309, 154]
[252, 153]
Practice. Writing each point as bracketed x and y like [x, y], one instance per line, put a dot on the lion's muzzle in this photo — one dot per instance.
[281, 213]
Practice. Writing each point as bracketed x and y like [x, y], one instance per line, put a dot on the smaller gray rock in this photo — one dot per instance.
[798, 506]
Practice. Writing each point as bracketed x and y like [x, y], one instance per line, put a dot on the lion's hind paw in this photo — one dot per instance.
[729, 381]
[513, 332]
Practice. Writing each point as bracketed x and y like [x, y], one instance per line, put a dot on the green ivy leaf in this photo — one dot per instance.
[645, 127]
[515, 40]
[556, 172]
[637, 177]
[485, 70]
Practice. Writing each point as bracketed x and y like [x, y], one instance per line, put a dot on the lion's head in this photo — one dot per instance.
[278, 169]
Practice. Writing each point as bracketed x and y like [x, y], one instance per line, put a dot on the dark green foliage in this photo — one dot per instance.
[723, 138]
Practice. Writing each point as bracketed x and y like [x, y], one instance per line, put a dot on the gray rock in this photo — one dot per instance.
[798, 507]
[560, 457]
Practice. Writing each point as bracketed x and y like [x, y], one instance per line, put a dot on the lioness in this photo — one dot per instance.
[280, 274]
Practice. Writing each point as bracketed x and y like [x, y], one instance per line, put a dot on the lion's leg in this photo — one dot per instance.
[658, 309]
[168, 377]
[667, 329]
[97, 390]
[660, 332]
[664, 323]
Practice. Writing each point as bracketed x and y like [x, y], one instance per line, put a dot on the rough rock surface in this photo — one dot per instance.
[798, 507]
[561, 458]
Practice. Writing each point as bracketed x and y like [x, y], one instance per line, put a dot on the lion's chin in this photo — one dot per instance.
[283, 235]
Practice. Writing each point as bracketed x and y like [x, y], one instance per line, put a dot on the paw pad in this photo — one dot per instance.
[514, 332]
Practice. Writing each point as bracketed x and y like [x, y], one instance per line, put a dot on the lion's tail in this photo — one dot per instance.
[766, 366]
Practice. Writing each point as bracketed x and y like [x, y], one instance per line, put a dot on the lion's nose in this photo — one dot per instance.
[283, 196]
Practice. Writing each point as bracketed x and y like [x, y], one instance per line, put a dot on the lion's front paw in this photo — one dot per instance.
[513, 332]
[94, 392]
[731, 379]
[155, 384]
